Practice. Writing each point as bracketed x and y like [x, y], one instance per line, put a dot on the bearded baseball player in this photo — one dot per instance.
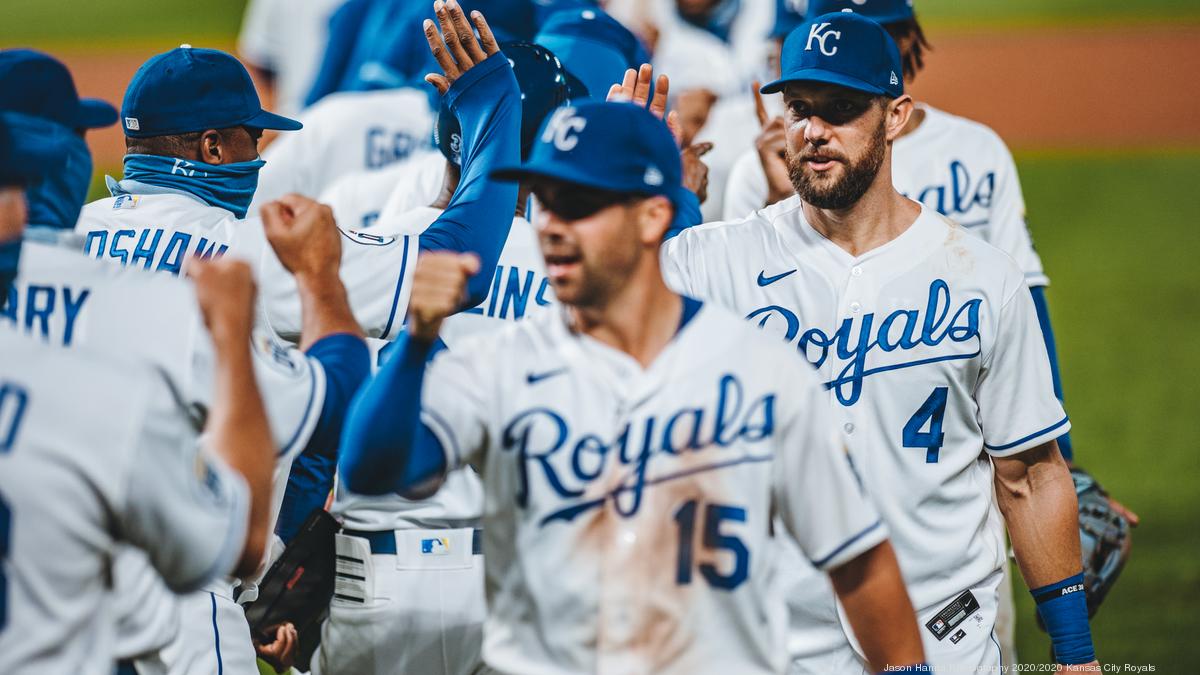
[632, 446]
[127, 468]
[927, 341]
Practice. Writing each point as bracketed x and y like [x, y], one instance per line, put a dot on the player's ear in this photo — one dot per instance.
[655, 215]
[211, 150]
[896, 115]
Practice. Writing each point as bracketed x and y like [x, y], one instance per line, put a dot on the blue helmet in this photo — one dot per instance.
[544, 86]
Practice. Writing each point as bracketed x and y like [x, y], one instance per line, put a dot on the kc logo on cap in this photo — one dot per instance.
[820, 32]
[563, 129]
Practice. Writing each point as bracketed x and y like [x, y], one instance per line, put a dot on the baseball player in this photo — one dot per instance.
[282, 42]
[68, 299]
[956, 166]
[127, 468]
[632, 446]
[191, 118]
[927, 341]
[381, 551]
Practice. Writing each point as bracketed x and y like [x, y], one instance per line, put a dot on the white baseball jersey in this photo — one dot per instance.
[930, 349]
[93, 451]
[358, 199]
[957, 166]
[159, 229]
[345, 133]
[67, 299]
[287, 37]
[628, 510]
[519, 289]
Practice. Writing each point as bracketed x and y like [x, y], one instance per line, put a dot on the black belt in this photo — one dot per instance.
[384, 543]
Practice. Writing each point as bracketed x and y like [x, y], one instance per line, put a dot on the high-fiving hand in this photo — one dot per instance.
[455, 48]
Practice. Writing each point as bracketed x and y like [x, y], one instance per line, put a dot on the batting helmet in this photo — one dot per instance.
[544, 87]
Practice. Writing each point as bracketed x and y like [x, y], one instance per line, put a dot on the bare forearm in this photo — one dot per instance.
[238, 432]
[325, 308]
[880, 612]
[1037, 497]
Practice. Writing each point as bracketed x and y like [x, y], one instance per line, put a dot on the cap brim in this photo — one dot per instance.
[269, 120]
[819, 75]
[557, 171]
[95, 113]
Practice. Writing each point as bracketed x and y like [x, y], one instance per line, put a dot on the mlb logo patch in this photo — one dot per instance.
[126, 201]
[435, 546]
[132, 124]
[939, 626]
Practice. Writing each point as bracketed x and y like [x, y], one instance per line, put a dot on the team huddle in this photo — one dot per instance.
[575, 401]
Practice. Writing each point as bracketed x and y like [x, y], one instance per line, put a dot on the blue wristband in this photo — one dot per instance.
[1063, 608]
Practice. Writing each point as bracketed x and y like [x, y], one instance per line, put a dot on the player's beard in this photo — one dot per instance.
[824, 192]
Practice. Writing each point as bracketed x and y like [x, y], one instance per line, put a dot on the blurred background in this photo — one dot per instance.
[1100, 102]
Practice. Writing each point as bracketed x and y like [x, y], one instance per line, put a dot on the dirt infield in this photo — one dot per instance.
[1106, 88]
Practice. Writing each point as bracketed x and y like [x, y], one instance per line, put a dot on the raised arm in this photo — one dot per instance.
[305, 238]
[237, 429]
[385, 446]
[479, 87]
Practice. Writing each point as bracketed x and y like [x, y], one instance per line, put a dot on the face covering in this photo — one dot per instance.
[55, 201]
[227, 186]
[10, 256]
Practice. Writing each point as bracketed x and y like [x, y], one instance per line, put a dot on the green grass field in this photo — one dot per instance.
[1118, 236]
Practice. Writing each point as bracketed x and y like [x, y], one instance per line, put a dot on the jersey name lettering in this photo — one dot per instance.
[135, 248]
[569, 464]
[511, 291]
[384, 147]
[35, 308]
[855, 339]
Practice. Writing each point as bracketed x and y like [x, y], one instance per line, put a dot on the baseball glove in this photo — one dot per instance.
[1104, 536]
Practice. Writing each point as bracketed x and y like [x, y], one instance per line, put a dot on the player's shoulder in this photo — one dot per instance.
[756, 229]
[171, 205]
[988, 265]
[963, 131]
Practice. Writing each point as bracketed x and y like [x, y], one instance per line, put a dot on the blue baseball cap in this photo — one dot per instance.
[38, 84]
[592, 46]
[880, 11]
[843, 49]
[31, 147]
[788, 15]
[608, 145]
[190, 89]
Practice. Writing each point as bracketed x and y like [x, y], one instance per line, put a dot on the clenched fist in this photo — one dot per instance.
[225, 292]
[303, 234]
[439, 288]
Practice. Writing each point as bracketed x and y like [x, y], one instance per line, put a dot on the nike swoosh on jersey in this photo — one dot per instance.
[764, 280]
[534, 378]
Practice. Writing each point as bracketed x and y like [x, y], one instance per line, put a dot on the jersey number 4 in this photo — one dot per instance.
[714, 540]
[930, 413]
[12, 409]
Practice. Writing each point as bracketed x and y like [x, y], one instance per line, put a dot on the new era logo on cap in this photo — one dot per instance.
[894, 80]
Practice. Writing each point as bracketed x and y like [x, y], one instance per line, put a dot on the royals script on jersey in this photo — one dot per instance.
[627, 510]
[930, 352]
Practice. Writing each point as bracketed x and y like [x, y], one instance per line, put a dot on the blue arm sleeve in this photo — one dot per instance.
[346, 362]
[687, 214]
[344, 27]
[1043, 315]
[385, 446]
[487, 102]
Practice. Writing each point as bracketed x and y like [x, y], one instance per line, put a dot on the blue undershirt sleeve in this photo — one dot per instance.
[346, 362]
[487, 102]
[687, 214]
[385, 446]
[1043, 315]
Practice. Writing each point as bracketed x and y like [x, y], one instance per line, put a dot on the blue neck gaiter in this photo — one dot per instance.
[56, 200]
[227, 186]
[10, 256]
